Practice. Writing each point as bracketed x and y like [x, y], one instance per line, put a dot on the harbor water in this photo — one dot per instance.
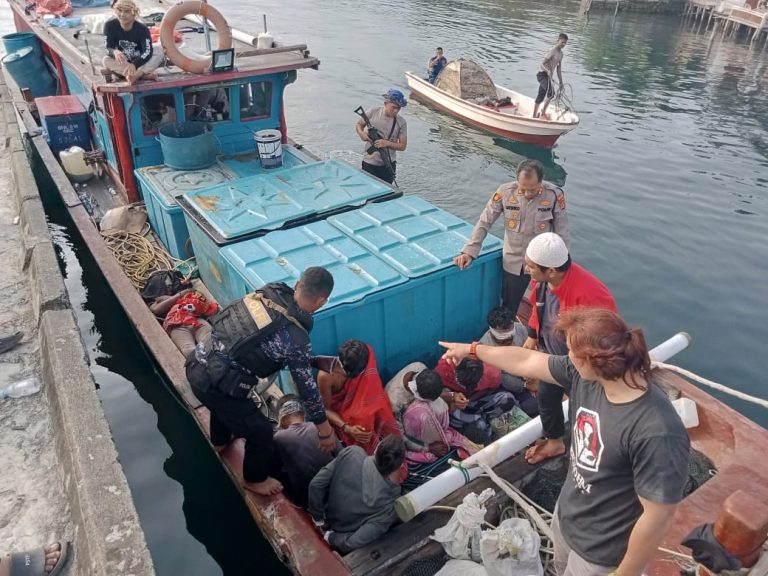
[666, 181]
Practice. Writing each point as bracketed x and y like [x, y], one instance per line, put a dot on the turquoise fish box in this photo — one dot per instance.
[250, 207]
[396, 287]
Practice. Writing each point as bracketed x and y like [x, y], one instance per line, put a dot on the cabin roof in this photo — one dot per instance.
[70, 43]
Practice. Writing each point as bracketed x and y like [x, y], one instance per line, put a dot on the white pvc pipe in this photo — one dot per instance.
[669, 348]
[431, 492]
[238, 35]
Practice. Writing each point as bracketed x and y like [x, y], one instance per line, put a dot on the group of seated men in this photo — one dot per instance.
[419, 417]
[422, 416]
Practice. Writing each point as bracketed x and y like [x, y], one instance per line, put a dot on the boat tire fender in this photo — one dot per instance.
[196, 64]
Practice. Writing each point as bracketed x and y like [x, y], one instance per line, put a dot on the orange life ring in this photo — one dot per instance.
[196, 64]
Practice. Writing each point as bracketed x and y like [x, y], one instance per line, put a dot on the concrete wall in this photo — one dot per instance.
[108, 538]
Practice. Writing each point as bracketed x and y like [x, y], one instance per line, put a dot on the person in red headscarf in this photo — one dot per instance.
[355, 401]
[184, 313]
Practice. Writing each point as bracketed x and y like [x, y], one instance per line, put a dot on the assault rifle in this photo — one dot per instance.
[373, 136]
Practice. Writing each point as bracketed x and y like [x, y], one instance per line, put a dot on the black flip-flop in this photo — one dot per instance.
[33, 563]
[8, 342]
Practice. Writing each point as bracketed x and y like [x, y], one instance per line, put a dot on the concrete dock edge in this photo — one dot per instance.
[109, 540]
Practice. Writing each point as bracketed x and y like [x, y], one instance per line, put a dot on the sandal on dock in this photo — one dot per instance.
[33, 563]
[10, 341]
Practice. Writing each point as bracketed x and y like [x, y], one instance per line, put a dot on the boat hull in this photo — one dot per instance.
[519, 128]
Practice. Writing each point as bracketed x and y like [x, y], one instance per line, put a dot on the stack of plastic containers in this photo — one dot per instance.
[396, 287]
[250, 207]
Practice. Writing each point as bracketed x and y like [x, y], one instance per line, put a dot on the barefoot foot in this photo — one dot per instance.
[268, 487]
[544, 450]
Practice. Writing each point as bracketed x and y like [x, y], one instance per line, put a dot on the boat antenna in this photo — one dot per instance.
[265, 23]
[207, 31]
[87, 48]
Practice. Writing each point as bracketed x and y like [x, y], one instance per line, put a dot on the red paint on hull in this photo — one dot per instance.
[119, 129]
[538, 140]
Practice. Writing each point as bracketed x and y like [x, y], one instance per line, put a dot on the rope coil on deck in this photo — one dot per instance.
[137, 256]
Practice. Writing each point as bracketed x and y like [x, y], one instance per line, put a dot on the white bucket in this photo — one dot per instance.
[264, 41]
[268, 143]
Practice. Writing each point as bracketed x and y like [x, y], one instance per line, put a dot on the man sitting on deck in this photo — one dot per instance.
[354, 398]
[298, 455]
[436, 65]
[558, 285]
[427, 420]
[253, 338]
[503, 330]
[130, 53]
[354, 496]
[487, 399]
[551, 64]
[393, 130]
[400, 397]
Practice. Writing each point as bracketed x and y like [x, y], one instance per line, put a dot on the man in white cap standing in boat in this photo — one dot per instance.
[130, 53]
[531, 206]
[393, 136]
[558, 285]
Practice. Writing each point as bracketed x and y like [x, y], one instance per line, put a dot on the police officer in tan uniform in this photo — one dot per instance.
[530, 206]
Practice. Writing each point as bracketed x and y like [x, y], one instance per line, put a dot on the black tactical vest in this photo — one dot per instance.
[241, 326]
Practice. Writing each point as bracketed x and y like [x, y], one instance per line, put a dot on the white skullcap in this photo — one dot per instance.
[547, 250]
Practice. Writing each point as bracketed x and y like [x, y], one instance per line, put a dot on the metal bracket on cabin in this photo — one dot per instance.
[94, 157]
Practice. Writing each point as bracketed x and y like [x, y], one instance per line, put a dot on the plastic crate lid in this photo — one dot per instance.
[249, 164]
[168, 183]
[282, 256]
[269, 201]
[412, 235]
[50, 106]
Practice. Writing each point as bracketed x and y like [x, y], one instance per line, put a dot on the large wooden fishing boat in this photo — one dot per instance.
[248, 224]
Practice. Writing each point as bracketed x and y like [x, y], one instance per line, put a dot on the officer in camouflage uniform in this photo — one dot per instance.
[530, 206]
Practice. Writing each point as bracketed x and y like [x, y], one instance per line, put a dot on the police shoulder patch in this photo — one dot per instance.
[561, 201]
[496, 197]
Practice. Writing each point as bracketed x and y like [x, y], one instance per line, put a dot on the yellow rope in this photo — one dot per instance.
[137, 256]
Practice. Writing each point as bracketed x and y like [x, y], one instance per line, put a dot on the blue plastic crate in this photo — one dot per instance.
[252, 207]
[160, 187]
[64, 122]
[410, 244]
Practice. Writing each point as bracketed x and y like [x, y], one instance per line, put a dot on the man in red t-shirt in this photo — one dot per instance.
[557, 285]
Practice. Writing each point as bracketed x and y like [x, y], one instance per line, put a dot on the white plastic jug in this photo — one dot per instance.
[73, 160]
[264, 40]
[686, 409]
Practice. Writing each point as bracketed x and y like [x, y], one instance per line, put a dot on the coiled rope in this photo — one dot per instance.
[138, 257]
[710, 384]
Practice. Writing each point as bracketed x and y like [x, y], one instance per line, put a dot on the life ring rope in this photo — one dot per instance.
[197, 64]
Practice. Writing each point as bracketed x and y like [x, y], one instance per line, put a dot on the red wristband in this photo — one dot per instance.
[473, 350]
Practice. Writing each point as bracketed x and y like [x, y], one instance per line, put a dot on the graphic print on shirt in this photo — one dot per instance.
[587, 445]
[129, 48]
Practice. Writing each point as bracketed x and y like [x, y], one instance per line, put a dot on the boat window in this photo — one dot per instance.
[157, 109]
[255, 100]
[208, 104]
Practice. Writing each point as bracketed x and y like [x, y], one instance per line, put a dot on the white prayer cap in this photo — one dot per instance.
[547, 250]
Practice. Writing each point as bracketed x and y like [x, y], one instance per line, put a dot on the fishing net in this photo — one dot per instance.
[467, 80]
[418, 474]
[428, 566]
[700, 470]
